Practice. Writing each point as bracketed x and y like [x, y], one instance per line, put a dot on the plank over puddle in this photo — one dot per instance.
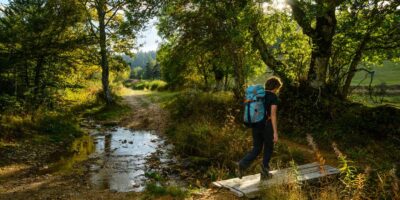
[250, 186]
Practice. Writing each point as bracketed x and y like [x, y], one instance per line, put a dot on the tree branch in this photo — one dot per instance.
[116, 6]
[112, 16]
[301, 18]
[276, 65]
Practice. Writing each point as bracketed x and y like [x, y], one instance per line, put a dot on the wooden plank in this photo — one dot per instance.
[257, 176]
[253, 191]
[250, 186]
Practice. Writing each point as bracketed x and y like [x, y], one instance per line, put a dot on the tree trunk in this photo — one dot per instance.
[15, 82]
[321, 36]
[321, 48]
[354, 63]
[275, 65]
[205, 76]
[226, 82]
[238, 75]
[219, 76]
[239, 82]
[26, 74]
[202, 69]
[103, 52]
[38, 74]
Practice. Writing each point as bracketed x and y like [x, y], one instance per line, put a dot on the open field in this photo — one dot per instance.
[389, 74]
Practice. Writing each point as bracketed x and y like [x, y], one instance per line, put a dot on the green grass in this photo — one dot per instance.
[158, 187]
[155, 189]
[366, 100]
[59, 127]
[114, 112]
[164, 98]
[153, 85]
[389, 73]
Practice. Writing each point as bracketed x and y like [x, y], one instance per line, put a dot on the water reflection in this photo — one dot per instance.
[82, 148]
[121, 159]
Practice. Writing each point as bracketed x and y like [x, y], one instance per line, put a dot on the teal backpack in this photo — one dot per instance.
[254, 108]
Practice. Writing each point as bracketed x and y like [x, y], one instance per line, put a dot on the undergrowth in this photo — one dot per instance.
[207, 132]
[48, 133]
[365, 133]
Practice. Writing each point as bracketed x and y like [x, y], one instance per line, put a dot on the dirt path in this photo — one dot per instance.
[26, 181]
[145, 114]
[21, 181]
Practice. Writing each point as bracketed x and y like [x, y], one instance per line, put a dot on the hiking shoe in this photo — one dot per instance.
[265, 175]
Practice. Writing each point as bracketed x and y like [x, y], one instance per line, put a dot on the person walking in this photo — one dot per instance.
[265, 133]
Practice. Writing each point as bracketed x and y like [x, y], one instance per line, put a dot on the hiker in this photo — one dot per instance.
[265, 133]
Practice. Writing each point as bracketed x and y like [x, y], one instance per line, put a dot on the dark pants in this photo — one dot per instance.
[262, 137]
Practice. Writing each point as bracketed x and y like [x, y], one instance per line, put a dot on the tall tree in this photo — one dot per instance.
[36, 38]
[341, 33]
[114, 24]
[210, 31]
[322, 13]
[372, 29]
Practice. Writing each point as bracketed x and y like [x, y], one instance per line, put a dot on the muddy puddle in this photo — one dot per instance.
[120, 158]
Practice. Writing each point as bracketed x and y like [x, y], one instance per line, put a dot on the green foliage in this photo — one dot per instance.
[199, 55]
[141, 59]
[353, 126]
[144, 65]
[38, 42]
[164, 99]
[159, 190]
[356, 184]
[158, 187]
[113, 25]
[10, 104]
[280, 31]
[15, 126]
[157, 85]
[205, 131]
[59, 127]
[379, 122]
[154, 176]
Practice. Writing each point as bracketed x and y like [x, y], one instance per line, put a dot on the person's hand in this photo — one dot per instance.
[275, 137]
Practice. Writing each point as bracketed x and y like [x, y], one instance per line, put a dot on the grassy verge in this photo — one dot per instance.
[108, 113]
[157, 187]
[209, 138]
[37, 139]
[153, 85]
[46, 135]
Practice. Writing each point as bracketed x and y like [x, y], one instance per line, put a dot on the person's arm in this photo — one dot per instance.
[274, 109]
